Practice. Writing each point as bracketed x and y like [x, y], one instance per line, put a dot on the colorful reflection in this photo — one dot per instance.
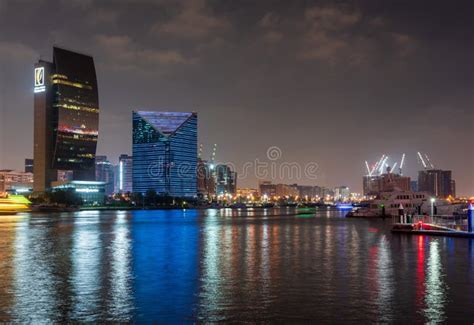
[436, 292]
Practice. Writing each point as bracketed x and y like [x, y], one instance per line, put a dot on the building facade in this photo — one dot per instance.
[342, 193]
[226, 180]
[104, 172]
[374, 185]
[29, 165]
[66, 118]
[11, 180]
[124, 174]
[436, 182]
[165, 153]
[205, 178]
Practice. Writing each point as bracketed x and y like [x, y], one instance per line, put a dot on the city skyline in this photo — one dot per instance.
[263, 75]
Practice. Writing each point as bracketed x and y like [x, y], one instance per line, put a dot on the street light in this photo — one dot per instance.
[432, 206]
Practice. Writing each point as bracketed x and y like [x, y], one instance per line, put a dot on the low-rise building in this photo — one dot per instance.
[15, 181]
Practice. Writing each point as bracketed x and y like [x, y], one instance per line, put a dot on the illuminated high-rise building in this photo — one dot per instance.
[226, 180]
[123, 174]
[66, 118]
[165, 153]
[104, 172]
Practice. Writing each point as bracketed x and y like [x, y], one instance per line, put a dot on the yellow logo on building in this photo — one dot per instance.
[39, 76]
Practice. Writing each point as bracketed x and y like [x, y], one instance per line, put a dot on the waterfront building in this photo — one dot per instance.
[91, 192]
[165, 153]
[15, 181]
[326, 193]
[286, 190]
[341, 193]
[104, 172]
[309, 191]
[124, 174]
[226, 180]
[205, 178]
[29, 165]
[374, 185]
[66, 117]
[247, 192]
[266, 188]
[436, 182]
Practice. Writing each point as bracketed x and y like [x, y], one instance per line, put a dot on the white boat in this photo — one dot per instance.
[413, 203]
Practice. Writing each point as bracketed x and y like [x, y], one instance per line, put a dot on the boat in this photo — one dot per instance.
[12, 204]
[387, 204]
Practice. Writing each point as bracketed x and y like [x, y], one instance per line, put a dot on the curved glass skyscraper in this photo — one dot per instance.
[66, 120]
[165, 153]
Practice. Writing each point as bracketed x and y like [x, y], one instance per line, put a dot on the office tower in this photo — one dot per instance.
[436, 182]
[104, 172]
[29, 165]
[165, 153]
[205, 178]
[226, 180]
[124, 174]
[66, 118]
[341, 193]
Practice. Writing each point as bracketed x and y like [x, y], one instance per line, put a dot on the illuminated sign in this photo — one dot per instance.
[87, 190]
[39, 80]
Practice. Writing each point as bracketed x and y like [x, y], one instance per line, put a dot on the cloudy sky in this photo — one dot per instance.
[330, 82]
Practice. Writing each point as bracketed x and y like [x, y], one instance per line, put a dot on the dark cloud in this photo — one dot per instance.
[333, 82]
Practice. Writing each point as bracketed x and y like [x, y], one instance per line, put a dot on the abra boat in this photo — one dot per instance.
[12, 204]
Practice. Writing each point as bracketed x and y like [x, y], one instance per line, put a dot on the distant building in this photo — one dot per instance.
[342, 193]
[309, 191]
[286, 190]
[66, 118]
[64, 175]
[326, 193]
[453, 188]
[29, 165]
[436, 182]
[373, 185]
[226, 180]
[205, 179]
[246, 192]
[266, 188]
[91, 192]
[165, 153]
[124, 174]
[11, 180]
[414, 186]
[104, 172]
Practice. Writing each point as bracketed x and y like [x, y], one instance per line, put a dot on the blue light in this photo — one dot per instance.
[344, 206]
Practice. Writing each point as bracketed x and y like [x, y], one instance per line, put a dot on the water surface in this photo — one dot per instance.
[228, 265]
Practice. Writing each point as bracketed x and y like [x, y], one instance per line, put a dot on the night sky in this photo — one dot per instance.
[335, 83]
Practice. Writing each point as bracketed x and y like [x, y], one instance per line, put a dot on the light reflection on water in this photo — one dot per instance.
[228, 265]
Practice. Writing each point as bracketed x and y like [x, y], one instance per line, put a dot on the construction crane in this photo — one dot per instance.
[382, 165]
[401, 164]
[368, 168]
[377, 164]
[200, 150]
[213, 156]
[393, 167]
[422, 160]
[429, 161]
